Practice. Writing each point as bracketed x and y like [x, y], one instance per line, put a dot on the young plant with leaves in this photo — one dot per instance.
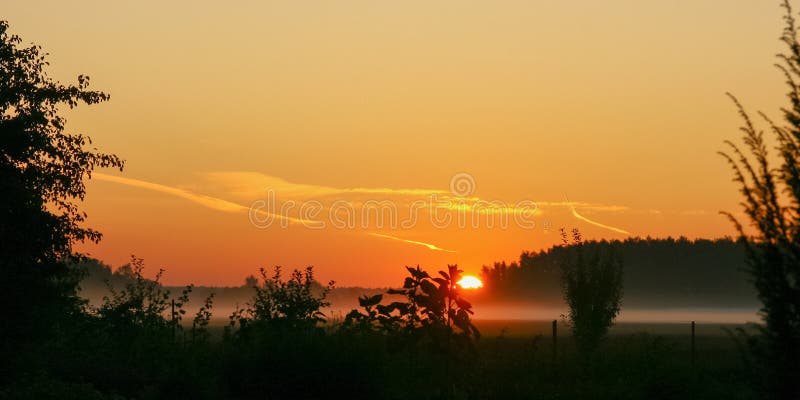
[434, 309]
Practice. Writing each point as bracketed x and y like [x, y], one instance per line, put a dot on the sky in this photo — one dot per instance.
[256, 132]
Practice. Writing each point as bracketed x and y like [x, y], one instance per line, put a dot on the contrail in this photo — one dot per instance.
[207, 201]
[428, 245]
[595, 223]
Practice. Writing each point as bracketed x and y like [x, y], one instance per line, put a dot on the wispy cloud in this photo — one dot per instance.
[428, 245]
[207, 201]
[239, 184]
[254, 184]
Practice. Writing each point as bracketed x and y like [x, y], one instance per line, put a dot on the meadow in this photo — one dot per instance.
[515, 359]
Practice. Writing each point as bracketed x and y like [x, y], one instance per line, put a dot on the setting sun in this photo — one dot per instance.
[470, 282]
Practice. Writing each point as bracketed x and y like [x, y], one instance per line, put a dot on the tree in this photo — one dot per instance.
[42, 173]
[771, 201]
[593, 291]
[250, 282]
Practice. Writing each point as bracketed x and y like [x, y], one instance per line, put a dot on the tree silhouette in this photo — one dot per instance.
[42, 173]
[771, 201]
[592, 290]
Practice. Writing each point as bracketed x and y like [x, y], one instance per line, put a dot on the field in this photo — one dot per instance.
[515, 359]
[652, 361]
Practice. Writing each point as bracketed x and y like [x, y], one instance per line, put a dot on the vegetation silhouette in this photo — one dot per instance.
[592, 290]
[434, 309]
[42, 172]
[771, 201]
[658, 274]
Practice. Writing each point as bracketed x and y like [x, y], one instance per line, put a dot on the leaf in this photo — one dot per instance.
[428, 288]
[369, 301]
[417, 273]
[441, 281]
[409, 283]
[463, 304]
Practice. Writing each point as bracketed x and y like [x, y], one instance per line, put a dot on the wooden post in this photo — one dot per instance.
[555, 342]
[173, 320]
[693, 348]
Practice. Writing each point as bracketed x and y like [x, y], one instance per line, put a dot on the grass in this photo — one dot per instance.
[513, 359]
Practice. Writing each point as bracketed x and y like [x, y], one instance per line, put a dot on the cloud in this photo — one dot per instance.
[428, 245]
[253, 183]
[207, 201]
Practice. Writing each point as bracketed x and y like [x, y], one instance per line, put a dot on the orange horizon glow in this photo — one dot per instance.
[368, 104]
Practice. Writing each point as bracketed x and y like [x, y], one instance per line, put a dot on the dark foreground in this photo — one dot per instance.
[512, 359]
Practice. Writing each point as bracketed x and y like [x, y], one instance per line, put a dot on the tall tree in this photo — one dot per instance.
[770, 187]
[592, 286]
[42, 175]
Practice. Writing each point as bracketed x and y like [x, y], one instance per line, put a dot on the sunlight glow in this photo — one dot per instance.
[470, 282]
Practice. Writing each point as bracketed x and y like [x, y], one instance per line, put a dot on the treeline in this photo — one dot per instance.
[658, 273]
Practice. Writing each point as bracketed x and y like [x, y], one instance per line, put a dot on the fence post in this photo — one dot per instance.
[173, 320]
[693, 347]
[555, 342]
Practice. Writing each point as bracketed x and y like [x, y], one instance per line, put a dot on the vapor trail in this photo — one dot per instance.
[595, 223]
[207, 201]
[428, 245]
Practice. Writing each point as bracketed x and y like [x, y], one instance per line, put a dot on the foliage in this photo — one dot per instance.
[201, 320]
[142, 303]
[291, 303]
[434, 309]
[376, 317]
[43, 170]
[593, 292]
[771, 201]
[42, 173]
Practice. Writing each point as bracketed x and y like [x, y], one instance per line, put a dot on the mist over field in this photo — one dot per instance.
[665, 280]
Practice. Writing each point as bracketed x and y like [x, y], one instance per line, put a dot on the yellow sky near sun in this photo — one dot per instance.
[617, 105]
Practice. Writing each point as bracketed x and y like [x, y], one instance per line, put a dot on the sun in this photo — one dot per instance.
[470, 282]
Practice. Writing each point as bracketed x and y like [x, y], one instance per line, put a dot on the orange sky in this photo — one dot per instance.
[617, 106]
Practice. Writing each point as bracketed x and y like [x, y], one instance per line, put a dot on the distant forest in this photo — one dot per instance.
[658, 273]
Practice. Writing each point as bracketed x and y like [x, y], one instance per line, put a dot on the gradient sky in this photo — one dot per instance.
[616, 106]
